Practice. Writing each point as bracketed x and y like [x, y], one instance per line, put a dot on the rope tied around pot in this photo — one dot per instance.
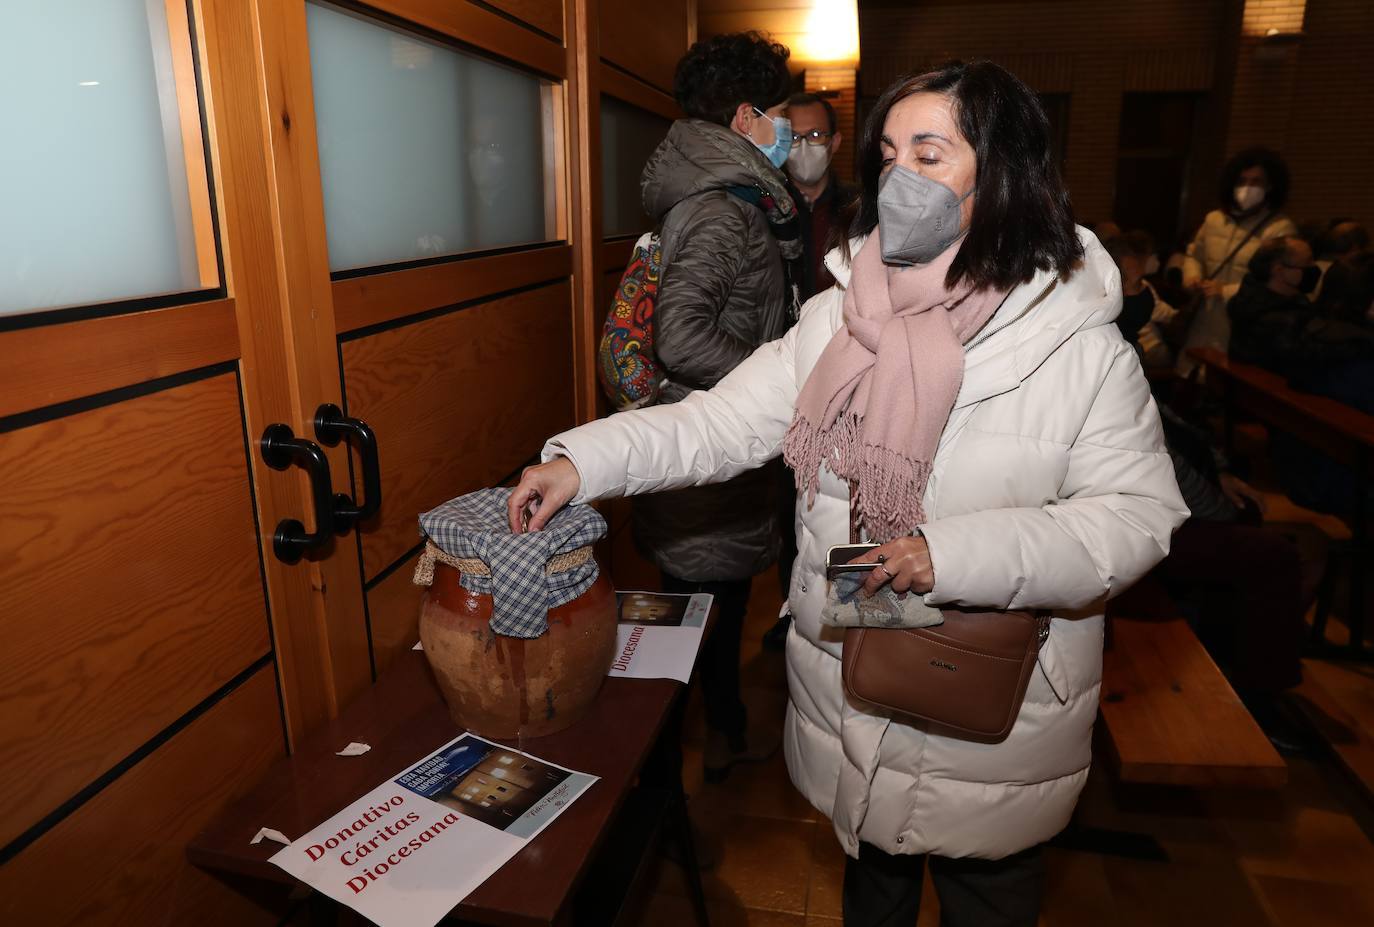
[432, 554]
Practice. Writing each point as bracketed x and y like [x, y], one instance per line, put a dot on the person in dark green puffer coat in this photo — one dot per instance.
[729, 230]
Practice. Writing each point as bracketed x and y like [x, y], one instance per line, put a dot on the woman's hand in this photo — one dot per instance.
[905, 563]
[1208, 287]
[1241, 492]
[541, 492]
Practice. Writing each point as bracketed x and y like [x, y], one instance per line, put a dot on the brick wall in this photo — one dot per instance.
[1093, 51]
[1261, 16]
[1329, 140]
[1311, 98]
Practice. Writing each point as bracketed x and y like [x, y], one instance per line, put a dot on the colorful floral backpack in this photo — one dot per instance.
[630, 375]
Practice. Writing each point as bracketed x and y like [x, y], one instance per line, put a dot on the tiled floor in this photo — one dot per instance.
[1293, 858]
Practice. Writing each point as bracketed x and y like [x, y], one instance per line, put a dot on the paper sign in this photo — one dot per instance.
[408, 851]
[659, 634]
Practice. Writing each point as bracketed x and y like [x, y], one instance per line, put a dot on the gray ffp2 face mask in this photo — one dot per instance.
[918, 218]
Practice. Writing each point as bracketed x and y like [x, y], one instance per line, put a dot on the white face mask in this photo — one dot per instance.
[808, 163]
[1248, 196]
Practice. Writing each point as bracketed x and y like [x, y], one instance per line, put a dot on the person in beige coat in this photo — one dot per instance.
[1251, 190]
[1031, 473]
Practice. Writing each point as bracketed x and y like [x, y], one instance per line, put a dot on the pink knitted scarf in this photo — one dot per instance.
[877, 401]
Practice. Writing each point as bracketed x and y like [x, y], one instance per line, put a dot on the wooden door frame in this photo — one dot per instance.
[253, 91]
[582, 33]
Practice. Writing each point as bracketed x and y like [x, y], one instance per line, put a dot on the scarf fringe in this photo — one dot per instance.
[889, 486]
[888, 492]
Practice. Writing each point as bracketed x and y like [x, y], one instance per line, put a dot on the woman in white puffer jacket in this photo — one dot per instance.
[966, 382]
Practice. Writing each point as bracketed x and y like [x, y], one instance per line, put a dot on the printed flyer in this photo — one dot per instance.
[408, 851]
[659, 634]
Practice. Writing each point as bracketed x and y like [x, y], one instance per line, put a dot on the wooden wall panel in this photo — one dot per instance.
[119, 859]
[458, 402]
[50, 364]
[132, 589]
[544, 15]
[637, 93]
[646, 41]
[469, 22]
[385, 297]
[393, 608]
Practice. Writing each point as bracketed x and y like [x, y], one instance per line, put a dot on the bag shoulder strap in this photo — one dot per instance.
[1259, 227]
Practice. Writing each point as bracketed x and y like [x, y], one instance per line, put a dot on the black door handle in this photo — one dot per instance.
[281, 448]
[331, 427]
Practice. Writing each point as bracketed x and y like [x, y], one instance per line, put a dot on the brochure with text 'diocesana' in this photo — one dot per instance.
[407, 852]
[659, 634]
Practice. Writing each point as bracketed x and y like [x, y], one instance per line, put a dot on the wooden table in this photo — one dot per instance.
[404, 719]
[1340, 431]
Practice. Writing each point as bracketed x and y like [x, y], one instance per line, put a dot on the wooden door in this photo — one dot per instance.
[465, 360]
[159, 655]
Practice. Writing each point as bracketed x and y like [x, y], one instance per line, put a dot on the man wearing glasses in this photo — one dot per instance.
[814, 143]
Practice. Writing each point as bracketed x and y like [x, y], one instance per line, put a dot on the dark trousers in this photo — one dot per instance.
[718, 672]
[718, 665]
[881, 890]
[1244, 583]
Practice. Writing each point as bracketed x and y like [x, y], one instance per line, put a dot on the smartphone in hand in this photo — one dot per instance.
[839, 559]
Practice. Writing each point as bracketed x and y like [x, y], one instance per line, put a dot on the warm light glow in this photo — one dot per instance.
[832, 32]
[1273, 17]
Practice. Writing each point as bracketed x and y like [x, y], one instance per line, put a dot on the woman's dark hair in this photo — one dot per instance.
[1275, 171]
[718, 74]
[1022, 221]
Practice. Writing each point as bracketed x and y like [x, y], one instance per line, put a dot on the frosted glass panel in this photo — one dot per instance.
[628, 136]
[94, 197]
[424, 150]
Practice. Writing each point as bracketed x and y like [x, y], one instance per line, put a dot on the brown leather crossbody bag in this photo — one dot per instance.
[967, 676]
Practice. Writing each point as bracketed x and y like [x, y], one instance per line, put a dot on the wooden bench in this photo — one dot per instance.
[1341, 432]
[1169, 717]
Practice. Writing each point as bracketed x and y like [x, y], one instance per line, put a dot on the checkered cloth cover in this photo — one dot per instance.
[475, 526]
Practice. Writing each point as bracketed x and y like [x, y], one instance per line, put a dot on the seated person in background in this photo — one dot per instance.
[1274, 325]
[1348, 292]
[1344, 239]
[1105, 230]
[1143, 310]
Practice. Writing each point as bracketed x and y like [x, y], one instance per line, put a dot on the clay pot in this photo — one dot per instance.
[507, 687]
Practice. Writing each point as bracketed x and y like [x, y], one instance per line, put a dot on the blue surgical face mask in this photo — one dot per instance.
[777, 152]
